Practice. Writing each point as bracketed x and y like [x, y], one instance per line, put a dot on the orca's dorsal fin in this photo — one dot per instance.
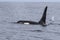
[43, 19]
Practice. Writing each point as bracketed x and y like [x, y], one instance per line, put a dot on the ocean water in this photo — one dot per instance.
[12, 12]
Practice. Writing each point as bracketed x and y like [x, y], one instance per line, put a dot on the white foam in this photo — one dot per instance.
[53, 18]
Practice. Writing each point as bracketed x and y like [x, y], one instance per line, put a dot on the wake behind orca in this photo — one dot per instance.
[41, 22]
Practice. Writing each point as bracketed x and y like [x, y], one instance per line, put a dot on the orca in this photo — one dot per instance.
[41, 22]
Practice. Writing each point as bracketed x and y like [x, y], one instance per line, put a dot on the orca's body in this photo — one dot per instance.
[27, 22]
[41, 22]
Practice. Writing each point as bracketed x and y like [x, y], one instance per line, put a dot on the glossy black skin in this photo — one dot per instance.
[30, 22]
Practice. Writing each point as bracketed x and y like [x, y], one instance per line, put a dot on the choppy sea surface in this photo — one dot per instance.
[12, 12]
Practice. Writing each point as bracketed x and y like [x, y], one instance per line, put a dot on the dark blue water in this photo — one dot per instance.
[13, 12]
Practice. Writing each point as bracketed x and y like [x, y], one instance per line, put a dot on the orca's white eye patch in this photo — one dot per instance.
[26, 23]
